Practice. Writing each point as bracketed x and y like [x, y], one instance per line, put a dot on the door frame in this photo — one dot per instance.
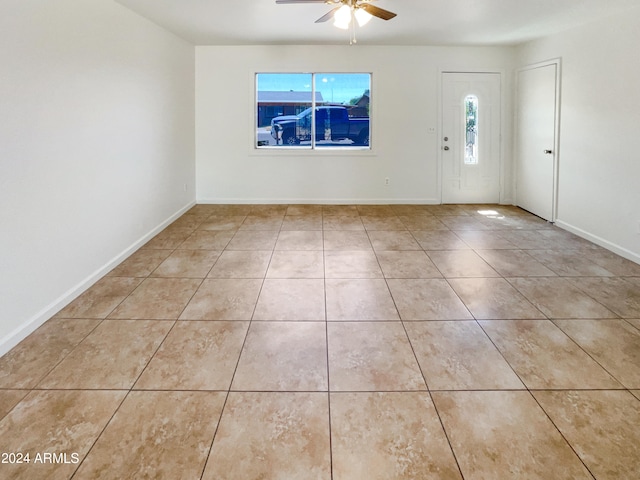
[556, 142]
[503, 115]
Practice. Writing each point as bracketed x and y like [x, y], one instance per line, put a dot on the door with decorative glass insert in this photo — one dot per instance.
[470, 138]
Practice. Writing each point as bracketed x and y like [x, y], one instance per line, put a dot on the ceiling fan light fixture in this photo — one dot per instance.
[348, 14]
[362, 17]
[342, 17]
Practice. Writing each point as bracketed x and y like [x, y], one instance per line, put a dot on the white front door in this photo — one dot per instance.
[536, 154]
[470, 138]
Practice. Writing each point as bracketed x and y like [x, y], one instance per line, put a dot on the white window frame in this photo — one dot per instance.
[359, 150]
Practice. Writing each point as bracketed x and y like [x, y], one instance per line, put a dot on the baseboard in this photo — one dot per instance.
[319, 201]
[20, 333]
[623, 252]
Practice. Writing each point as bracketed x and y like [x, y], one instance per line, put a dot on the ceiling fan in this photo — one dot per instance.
[347, 12]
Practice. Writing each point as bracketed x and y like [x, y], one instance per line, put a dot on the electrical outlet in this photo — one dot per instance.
[185, 187]
[431, 130]
[386, 182]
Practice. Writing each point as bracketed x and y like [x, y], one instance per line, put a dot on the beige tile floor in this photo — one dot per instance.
[338, 342]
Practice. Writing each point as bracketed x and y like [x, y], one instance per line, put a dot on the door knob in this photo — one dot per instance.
[446, 148]
[548, 152]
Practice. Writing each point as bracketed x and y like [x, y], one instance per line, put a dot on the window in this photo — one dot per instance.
[471, 130]
[313, 110]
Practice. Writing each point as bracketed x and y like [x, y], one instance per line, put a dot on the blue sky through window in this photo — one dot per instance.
[335, 87]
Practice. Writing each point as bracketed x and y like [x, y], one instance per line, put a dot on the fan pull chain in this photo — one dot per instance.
[352, 38]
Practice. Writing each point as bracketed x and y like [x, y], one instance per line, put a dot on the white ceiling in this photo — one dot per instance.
[419, 22]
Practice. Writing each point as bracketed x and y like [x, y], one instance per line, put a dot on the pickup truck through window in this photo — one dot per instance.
[332, 125]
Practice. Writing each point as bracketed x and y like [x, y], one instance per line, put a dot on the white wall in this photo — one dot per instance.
[599, 164]
[405, 104]
[97, 143]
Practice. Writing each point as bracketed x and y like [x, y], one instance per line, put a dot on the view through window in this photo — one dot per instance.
[313, 110]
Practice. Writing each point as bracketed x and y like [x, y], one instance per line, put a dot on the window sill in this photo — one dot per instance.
[304, 151]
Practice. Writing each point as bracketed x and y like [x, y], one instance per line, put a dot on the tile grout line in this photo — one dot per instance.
[107, 423]
[435, 408]
[424, 378]
[131, 388]
[552, 320]
[563, 437]
[326, 329]
[100, 321]
[246, 336]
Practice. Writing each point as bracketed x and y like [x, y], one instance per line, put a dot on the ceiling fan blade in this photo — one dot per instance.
[300, 1]
[377, 11]
[329, 15]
